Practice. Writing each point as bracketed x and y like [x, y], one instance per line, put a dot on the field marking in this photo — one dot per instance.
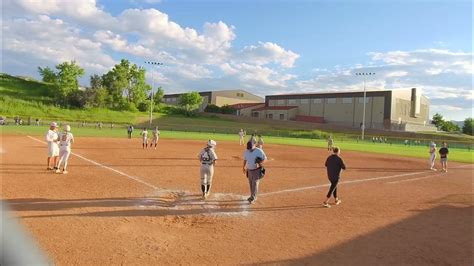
[106, 167]
[340, 183]
[413, 179]
[206, 206]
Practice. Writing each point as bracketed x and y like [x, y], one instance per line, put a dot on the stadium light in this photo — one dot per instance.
[153, 63]
[364, 74]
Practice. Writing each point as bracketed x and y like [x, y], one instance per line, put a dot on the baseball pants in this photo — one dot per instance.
[64, 157]
[254, 179]
[207, 172]
[432, 160]
[333, 188]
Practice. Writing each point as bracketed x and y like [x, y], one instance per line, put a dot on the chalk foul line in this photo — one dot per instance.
[106, 167]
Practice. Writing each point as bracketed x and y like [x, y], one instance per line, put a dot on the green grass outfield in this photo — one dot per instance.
[458, 155]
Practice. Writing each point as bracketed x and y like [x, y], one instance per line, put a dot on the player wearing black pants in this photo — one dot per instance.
[334, 164]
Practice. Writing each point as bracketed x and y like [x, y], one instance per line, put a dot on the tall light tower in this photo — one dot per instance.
[364, 74]
[153, 63]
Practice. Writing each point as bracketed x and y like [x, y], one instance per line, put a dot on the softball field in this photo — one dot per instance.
[121, 204]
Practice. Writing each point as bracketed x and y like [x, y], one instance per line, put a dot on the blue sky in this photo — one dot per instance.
[265, 47]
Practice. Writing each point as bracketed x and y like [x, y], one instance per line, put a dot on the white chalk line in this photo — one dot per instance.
[340, 183]
[106, 167]
[414, 179]
[202, 203]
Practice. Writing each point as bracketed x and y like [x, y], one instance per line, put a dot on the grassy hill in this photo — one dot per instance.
[26, 97]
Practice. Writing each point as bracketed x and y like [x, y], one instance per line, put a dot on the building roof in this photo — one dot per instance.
[275, 108]
[239, 106]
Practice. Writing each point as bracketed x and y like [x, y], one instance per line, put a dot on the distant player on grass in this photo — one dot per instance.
[144, 134]
[334, 164]
[260, 142]
[330, 143]
[130, 131]
[66, 139]
[208, 158]
[156, 136]
[443, 154]
[432, 155]
[241, 136]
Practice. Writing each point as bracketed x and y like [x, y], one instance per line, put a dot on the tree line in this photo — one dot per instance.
[123, 88]
[449, 126]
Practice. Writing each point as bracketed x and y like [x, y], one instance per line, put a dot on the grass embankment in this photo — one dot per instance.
[458, 155]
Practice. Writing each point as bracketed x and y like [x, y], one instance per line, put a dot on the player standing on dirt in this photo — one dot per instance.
[432, 155]
[65, 140]
[334, 164]
[443, 154]
[53, 149]
[144, 134]
[208, 158]
[254, 158]
[260, 142]
[156, 137]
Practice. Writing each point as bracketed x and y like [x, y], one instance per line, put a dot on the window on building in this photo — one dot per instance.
[282, 117]
[255, 114]
[271, 103]
[292, 101]
[346, 100]
[270, 116]
[304, 101]
[317, 101]
[173, 99]
[280, 102]
[240, 94]
[331, 100]
[361, 100]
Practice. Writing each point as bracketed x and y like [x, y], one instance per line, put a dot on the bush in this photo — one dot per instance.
[212, 108]
[144, 106]
[227, 109]
[128, 106]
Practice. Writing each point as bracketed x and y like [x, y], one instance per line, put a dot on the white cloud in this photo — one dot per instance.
[265, 53]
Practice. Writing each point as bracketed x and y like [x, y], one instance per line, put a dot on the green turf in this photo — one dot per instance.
[458, 155]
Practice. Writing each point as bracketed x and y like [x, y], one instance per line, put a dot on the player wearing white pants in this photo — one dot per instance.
[208, 158]
[241, 136]
[65, 140]
[144, 138]
[53, 149]
[156, 137]
[432, 155]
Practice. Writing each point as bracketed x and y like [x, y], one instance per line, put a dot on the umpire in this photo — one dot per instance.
[334, 165]
[252, 168]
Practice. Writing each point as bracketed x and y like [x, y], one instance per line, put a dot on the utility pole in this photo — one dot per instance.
[364, 74]
[152, 87]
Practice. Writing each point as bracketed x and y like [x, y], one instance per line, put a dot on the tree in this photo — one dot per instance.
[48, 74]
[437, 120]
[227, 109]
[189, 102]
[449, 126]
[212, 108]
[96, 95]
[467, 127]
[65, 79]
[158, 97]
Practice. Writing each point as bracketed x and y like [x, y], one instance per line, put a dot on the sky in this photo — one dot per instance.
[264, 47]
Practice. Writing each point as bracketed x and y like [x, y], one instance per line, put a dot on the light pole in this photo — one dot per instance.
[153, 63]
[365, 74]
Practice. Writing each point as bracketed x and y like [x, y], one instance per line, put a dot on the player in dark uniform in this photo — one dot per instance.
[443, 154]
[334, 164]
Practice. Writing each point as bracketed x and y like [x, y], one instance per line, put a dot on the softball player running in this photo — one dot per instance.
[208, 158]
[145, 138]
[65, 140]
[156, 136]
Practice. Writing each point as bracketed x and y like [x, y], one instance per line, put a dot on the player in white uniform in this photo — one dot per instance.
[241, 136]
[65, 140]
[53, 149]
[145, 138]
[432, 155]
[208, 158]
[260, 142]
[156, 137]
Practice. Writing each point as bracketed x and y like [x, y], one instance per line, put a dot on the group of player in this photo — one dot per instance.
[443, 154]
[59, 148]
[154, 140]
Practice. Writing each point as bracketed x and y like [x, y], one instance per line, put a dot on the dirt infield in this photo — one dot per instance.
[123, 205]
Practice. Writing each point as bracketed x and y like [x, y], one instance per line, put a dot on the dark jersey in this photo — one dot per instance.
[334, 164]
[443, 152]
